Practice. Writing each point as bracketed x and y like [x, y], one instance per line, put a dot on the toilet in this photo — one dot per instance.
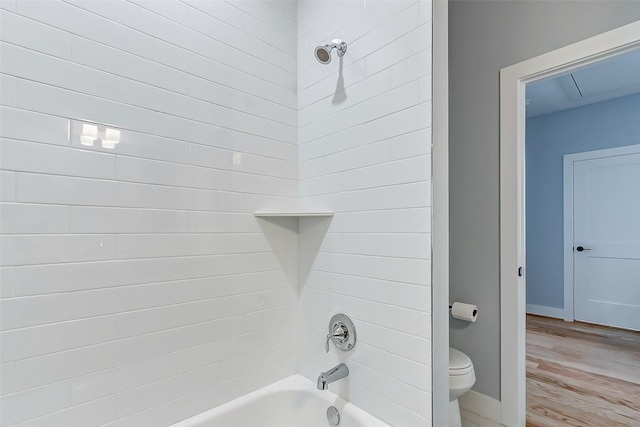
[461, 379]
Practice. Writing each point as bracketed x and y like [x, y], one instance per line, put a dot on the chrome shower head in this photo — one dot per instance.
[323, 53]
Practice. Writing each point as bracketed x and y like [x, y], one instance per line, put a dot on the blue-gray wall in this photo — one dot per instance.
[598, 126]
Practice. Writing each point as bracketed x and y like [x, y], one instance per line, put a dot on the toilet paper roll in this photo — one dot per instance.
[462, 311]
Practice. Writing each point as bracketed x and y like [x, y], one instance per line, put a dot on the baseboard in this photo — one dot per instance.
[481, 404]
[542, 310]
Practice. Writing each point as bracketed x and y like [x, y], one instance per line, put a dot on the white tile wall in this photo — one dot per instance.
[128, 266]
[364, 140]
[136, 286]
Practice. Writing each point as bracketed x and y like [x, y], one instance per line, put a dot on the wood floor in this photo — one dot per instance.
[581, 375]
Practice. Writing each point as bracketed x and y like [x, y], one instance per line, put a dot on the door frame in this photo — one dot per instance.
[513, 80]
[568, 170]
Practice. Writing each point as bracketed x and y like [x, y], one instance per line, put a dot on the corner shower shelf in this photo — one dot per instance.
[295, 214]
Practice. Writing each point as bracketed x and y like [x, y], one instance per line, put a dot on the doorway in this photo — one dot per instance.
[512, 198]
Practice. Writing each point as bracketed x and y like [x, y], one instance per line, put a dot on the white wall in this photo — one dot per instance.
[364, 148]
[136, 284]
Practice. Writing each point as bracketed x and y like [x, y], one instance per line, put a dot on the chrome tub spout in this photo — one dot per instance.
[333, 374]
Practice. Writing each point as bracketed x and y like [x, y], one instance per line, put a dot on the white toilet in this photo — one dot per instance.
[461, 379]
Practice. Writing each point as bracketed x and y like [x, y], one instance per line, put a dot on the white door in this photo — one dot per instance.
[606, 247]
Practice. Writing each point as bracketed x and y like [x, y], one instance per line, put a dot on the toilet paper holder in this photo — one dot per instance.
[474, 312]
[463, 311]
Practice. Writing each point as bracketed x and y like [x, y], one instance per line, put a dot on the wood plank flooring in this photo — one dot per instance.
[581, 375]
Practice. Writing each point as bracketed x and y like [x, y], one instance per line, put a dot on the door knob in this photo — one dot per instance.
[581, 248]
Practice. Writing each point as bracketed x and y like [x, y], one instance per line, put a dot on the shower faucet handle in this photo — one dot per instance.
[342, 333]
[339, 332]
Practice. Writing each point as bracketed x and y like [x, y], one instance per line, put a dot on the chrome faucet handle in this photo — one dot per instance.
[340, 332]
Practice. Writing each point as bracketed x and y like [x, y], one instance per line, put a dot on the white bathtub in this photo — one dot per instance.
[291, 402]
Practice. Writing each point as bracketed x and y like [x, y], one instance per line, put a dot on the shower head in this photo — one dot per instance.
[323, 53]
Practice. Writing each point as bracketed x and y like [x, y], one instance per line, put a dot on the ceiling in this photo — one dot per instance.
[604, 80]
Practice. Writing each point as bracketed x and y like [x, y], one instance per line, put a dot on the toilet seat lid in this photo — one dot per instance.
[459, 362]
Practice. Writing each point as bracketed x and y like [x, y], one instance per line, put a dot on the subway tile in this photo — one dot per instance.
[228, 97]
[118, 220]
[72, 19]
[43, 68]
[33, 403]
[140, 419]
[167, 245]
[147, 396]
[7, 89]
[356, 94]
[185, 337]
[269, 91]
[184, 198]
[250, 50]
[91, 414]
[177, 268]
[412, 68]
[288, 9]
[380, 106]
[121, 63]
[19, 218]
[200, 401]
[7, 284]
[281, 59]
[23, 312]
[400, 5]
[231, 160]
[226, 89]
[412, 245]
[38, 371]
[425, 89]
[399, 343]
[37, 188]
[223, 11]
[403, 47]
[361, 287]
[384, 408]
[163, 318]
[7, 186]
[425, 12]
[142, 18]
[279, 15]
[104, 8]
[34, 35]
[416, 297]
[105, 383]
[273, 36]
[61, 102]
[219, 222]
[411, 372]
[45, 339]
[411, 144]
[47, 249]
[52, 278]
[29, 126]
[8, 5]
[136, 297]
[267, 318]
[7, 373]
[138, 144]
[174, 10]
[36, 158]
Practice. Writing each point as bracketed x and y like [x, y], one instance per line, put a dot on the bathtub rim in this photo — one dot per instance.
[293, 382]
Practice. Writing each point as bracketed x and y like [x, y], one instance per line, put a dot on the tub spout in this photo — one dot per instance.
[332, 375]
